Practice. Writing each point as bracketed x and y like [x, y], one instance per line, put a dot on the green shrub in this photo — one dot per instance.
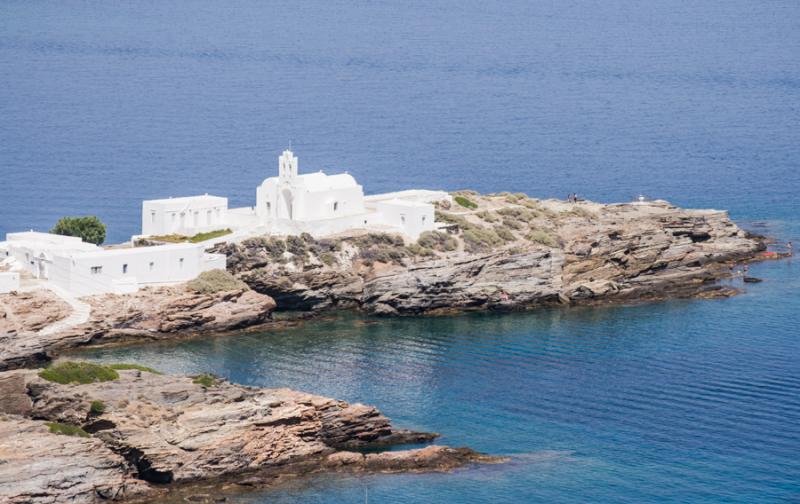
[437, 240]
[206, 380]
[487, 216]
[296, 245]
[543, 237]
[480, 239]
[200, 237]
[465, 202]
[216, 280]
[90, 229]
[417, 250]
[512, 223]
[78, 372]
[170, 238]
[123, 367]
[505, 233]
[97, 407]
[328, 258]
[66, 429]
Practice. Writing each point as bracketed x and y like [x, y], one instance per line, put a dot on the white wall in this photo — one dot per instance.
[187, 216]
[410, 217]
[9, 281]
[121, 270]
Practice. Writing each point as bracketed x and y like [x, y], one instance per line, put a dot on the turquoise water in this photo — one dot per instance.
[104, 104]
[684, 401]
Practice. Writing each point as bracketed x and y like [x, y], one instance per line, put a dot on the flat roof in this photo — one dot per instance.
[190, 199]
[174, 247]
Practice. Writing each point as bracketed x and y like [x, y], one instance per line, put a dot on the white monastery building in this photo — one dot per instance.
[288, 204]
[84, 269]
[185, 216]
[294, 203]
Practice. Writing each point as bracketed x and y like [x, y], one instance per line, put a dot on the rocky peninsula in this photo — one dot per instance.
[492, 252]
[125, 431]
[81, 432]
[504, 252]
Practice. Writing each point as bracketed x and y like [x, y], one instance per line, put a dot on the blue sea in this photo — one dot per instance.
[103, 104]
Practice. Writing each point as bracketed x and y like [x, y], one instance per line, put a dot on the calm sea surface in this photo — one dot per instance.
[103, 104]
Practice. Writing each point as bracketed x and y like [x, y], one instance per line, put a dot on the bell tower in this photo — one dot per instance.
[287, 165]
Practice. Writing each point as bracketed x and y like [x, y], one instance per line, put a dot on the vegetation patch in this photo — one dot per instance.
[543, 237]
[417, 250]
[505, 233]
[124, 367]
[89, 229]
[488, 216]
[66, 429]
[200, 237]
[206, 380]
[97, 407]
[465, 202]
[437, 240]
[78, 372]
[479, 239]
[216, 280]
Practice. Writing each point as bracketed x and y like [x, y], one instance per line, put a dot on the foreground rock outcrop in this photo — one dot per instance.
[144, 427]
[151, 314]
[504, 252]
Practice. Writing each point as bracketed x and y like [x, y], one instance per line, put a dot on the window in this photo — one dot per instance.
[269, 206]
[335, 206]
[152, 265]
[96, 270]
[208, 216]
[180, 262]
[423, 219]
[124, 269]
[403, 219]
[153, 216]
[173, 217]
[196, 218]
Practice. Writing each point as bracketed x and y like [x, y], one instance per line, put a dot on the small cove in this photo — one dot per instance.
[679, 400]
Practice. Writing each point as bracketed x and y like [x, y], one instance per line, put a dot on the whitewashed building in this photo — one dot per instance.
[185, 216]
[9, 281]
[86, 269]
[316, 203]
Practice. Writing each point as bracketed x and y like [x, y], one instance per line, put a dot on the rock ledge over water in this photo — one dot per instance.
[145, 428]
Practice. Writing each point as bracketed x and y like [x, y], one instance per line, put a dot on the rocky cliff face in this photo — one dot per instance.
[148, 315]
[509, 252]
[150, 428]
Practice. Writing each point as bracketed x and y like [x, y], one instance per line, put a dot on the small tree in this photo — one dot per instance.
[89, 229]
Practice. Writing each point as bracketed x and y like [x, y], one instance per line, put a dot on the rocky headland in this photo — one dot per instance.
[80, 432]
[492, 252]
[504, 252]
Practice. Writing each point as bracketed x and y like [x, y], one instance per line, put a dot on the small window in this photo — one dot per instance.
[153, 216]
[423, 219]
[269, 206]
[124, 269]
[403, 219]
[208, 217]
[180, 262]
[152, 265]
[96, 270]
[173, 216]
[335, 206]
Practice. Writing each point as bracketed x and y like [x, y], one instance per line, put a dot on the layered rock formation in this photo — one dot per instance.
[509, 252]
[145, 427]
[148, 315]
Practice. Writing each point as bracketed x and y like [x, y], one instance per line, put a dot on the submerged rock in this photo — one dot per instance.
[147, 427]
